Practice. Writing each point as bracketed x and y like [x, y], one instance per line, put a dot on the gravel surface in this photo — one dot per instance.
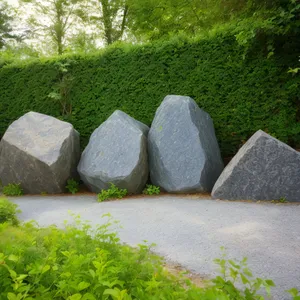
[189, 230]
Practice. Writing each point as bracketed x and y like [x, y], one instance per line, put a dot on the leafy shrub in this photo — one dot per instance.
[72, 186]
[112, 193]
[12, 189]
[8, 211]
[241, 95]
[81, 263]
[234, 273]
[151, 190]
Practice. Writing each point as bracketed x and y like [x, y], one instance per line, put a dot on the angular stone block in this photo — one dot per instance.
[116, 153]
[263, 169]
[184, 156]
[39, 152]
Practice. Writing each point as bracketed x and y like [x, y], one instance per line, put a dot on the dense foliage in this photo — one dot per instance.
[8, 212]
[12, 189]
[242, 94]
[79, 263]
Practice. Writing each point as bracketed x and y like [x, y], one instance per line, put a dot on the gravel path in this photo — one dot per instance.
[190, 231]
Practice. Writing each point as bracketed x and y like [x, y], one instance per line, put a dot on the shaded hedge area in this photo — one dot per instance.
[241, 95]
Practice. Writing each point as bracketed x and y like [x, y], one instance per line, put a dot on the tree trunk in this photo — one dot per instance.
[107, 22]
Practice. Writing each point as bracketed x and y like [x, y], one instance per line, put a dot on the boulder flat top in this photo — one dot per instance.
[190, 230]
[38, 135]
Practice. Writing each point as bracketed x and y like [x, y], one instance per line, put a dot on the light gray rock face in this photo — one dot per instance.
[39, 152]
[116, 153]
[184, 156]
[263, 169]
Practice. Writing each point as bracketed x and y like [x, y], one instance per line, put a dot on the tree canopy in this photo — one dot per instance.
[59, 26]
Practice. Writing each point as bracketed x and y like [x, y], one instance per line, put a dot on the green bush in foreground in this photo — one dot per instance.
[79, 263]
[8, 211]
[112, 193]
[12, 189]
[151, 190]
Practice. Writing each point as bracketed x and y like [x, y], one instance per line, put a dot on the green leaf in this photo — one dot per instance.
[75, 297]
[234, 264]
[13, 274]
[247, 272]
[88, 296]
[244, 279]
[83, 285]
[294, 292]
[270, 282]
[45, 269]
[92, 272]
[13, 257]
[22, 277]
[113, 292]
[12, 296]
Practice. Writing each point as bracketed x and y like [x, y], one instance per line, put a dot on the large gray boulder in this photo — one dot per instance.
[39, 152]
[184, 155]
[116, 153]
[263, 169]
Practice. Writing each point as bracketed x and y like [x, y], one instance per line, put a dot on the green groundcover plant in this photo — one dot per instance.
[81, 263]
[151, 190]
[72, 186]
[112, 193]
[12, 189]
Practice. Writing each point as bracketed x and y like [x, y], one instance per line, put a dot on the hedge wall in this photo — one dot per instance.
[241, 95]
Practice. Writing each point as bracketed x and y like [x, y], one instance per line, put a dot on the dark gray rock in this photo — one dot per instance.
[184, 155]
[263, 169]
[39, 152]
[116, 153]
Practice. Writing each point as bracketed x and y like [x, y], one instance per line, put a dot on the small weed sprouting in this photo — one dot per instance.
[8, 211]
[281, 200]
[12, 189]
[112, 193]
[151, 190]
[72, 186]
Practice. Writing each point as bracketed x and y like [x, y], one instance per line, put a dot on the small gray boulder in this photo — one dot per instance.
[184, 156]
[263, 169]
[39, 152]
[116, 153]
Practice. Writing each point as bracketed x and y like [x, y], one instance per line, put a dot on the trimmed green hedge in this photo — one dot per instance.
[241, 95]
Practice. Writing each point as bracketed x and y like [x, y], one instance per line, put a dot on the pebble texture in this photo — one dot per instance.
[263, 169]
[116, 153]
[184, 155]
[39, 152]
